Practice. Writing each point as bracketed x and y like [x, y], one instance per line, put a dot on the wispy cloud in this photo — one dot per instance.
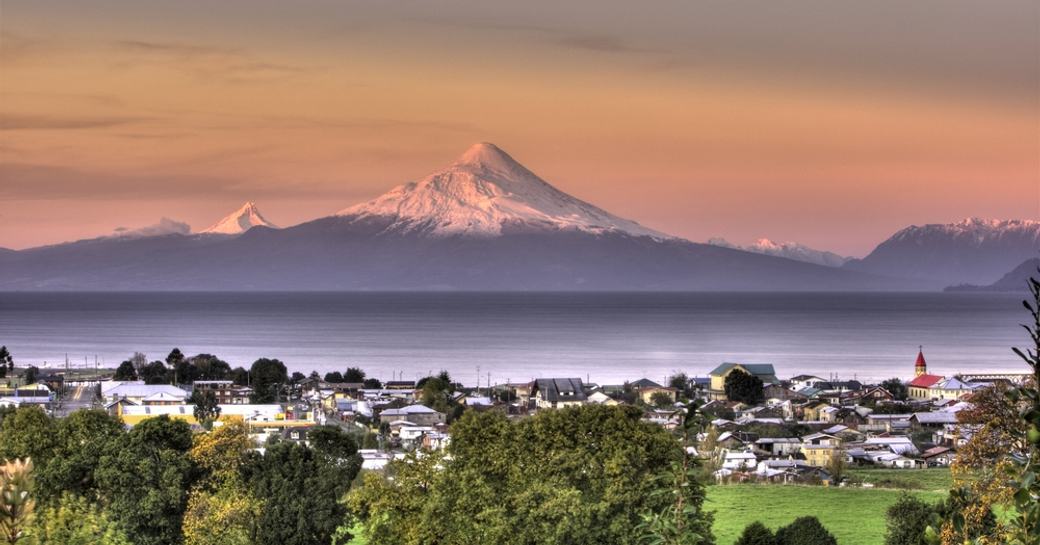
[13, 122]
[165, 226]
[203, 61]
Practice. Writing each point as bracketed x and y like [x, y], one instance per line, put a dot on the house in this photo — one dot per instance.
[933, 420]
[416, 414]
[739, 460]
[137, 391]
[163, 398]
[812, 411]
[953, 388]
[557, 393]
[259, 416]
[818, 455]
[717, 388]
[779, 446]
[804, 381]
[599, 398]
[399, 385]
[896, 445]
[875, 394]
[646, 388]
[226, 391]
[938, 456]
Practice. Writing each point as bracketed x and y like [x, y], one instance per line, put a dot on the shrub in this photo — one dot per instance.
[907, 520]
[805, 531]
[756, 533]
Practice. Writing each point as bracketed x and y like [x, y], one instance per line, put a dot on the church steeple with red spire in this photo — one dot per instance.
[921, 367]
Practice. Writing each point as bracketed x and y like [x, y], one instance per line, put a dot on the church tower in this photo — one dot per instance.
[921, 367]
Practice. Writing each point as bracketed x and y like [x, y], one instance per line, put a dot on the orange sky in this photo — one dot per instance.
[833, 123]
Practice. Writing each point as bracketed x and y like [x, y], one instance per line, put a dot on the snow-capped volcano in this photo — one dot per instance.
[486, 193]
[239, 221]
[790, 250]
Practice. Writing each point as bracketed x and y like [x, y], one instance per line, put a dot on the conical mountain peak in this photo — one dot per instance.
[240, 221]
[484, 192]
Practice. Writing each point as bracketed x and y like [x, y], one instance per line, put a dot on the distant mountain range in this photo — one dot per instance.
[1014, 281]
[483, 223]
[972, 251]
[790, 250]
[486, 222]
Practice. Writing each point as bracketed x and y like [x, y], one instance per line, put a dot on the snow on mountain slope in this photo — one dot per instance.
[240, 221]
[972, 231]
[790, 250]
[483, 194]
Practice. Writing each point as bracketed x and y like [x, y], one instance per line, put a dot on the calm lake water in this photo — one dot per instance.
[605, 337]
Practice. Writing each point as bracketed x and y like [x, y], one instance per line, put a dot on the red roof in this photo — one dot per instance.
[925, 381]
[920, 359]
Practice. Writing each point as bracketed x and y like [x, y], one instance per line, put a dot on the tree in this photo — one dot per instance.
[805, 531]
[75, 521]
[681, 382]
[837, 465]
[334, 376]
[175, 356]
[908, 520]
[744, 387]
[6, 361]
[303, 491]
[267, 376]
[354, 374]
[80, 440]
[581, 475]
[221, 510]
[239, 376]
[144, 480]
[32, 374]
[210, 367]
[16, 500]
[206, 408]
[897, 388]
[155, 373]
[297, 377]
[28, 433]
[138, 360]
[756, 533]
[373, 383]
[661, 400]
[125, 371]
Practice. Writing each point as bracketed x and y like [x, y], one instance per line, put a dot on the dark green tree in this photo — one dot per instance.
[354, 374]
[373, 383]
[174, 357]
[239, 376]
[144, 480]
[907, 520]
[267, 377]
[206, 408]
[744, 387]
[681, 382]
[32, 374]
[297, 377]
[210, 367]
[756, 533]
[81, 439]
[334, 376]
[302, 492]
[155, 373]
[897, 388]
[6, 361]
[661, 400]
[125, 371]
[805, 531]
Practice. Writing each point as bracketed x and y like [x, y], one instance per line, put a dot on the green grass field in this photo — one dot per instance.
[856, 516]
[919, 479]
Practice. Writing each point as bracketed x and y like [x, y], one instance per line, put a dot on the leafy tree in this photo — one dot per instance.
[897, 388]
[80, 440]
[32, 374]
[681, 382]
[297, 377]
[239, 376]
[206, 408]
[221, 510]
[16, 500]
[125, 371]
[354, 374]
[581, 475]
[155, 373]
[908, 520]
[175, 356]
[145, 479]
[209, 367]
[744, 387]
[75, 521]
[756, 533]
[139, 360]
[661, 400]
[837, 465]
[6, 361]
[373, 383]
[805, 531]
[28, 433]
[302, 491]
[334, 376]
[267, 376]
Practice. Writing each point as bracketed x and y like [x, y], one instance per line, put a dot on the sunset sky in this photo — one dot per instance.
[832, 123]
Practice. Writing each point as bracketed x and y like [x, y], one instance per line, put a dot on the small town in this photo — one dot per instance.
[804, 429]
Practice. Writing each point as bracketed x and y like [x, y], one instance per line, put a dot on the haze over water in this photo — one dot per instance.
[607, 337]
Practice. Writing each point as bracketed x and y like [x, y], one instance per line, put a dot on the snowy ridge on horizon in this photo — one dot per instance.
[973, 230]
[239, 221]
[484, 192]
[789, 250]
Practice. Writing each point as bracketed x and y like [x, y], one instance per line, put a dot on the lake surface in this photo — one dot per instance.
[605, 337]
